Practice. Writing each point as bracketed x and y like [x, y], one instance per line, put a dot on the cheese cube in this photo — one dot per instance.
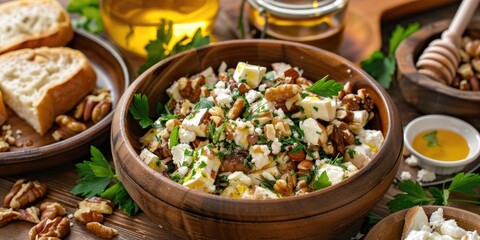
[372, 138]
[185, 135]
[257, 176]
[319, 108]
[250, 74]
[193, 122]
[360, 117]
[238, 184]
[210, 77]
[314, 134]
[263, 193]
[360, 155]
[202, 176]
[152, 160]
[173, 92]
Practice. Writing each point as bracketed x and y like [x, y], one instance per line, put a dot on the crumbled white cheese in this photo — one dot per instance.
[335, 173]
[263, 193]
[223, 97]
[262, 87]
[279, 112]
[182, 171]
[238, 185]
[360, 117]
[411, 161]
[450, 227]
[258, 175]
[178, 154]
[250, 74]
[259, 155]
[220, 85]
[314, 135]
[202, 176]
[251, 96]
[372, 138]
[361, 155]
[405, 175]
[242, 130]
[186, 136]
[426, 176]
[276, 146]
[319, 108]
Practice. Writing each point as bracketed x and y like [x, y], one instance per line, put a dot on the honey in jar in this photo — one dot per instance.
[132, 24]
[318, 23]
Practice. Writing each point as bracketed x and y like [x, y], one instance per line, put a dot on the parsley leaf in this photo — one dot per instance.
[325, 87]
[203, 103]
[174, 137]
[431, 138]
[158, 49]
[90, 18]
[413, 194]
[140, 110]
[96, 175]
[382, 67]
[321, 181]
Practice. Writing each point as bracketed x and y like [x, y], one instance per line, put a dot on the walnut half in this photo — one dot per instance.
[101, 231]
[58, 227]
[23, 193]
[7, 215]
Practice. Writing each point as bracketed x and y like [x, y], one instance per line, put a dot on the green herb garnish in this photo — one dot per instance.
[321, 181]
[140, 110]
[431, 138]
[96, 175]
[382, 67]
[203, 103]
[90, 18]
[325, 87]
[174, 137]
[413, 194]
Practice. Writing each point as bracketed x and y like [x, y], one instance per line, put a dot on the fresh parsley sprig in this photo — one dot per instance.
[140, 110]
[158, 49]
[96, 175]
[413, 194]
[90, 18]
[382, 67]
[325, 87]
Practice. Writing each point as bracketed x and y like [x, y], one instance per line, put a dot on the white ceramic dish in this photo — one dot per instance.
[434, 121]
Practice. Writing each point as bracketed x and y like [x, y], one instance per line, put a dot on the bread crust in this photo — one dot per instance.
[58, 98]
[54, 37]
[414, 219]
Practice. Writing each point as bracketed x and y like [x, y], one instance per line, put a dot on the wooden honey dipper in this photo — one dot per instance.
[440, 59]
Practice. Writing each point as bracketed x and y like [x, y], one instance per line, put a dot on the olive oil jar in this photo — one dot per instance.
[132, 24]
[318, 23]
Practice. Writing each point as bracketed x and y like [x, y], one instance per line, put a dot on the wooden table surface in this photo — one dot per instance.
[62, 179]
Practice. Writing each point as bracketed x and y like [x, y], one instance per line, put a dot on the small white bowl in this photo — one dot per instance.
[435, 121]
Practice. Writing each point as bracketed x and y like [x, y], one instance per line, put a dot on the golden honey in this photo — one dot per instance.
[318, 23]
[451, 146]
[132, 24]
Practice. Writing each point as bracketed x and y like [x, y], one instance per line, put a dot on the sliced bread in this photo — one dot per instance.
[39, 84]
[33, 23]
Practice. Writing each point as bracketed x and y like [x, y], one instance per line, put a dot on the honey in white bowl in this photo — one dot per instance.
[441, 144]
[132, 24]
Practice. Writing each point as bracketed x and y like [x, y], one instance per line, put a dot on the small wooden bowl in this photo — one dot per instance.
[391, 227]
[112, 73]
[324, 214]
[426, 94]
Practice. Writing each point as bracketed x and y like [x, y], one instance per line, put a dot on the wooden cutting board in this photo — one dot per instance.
[362, 34]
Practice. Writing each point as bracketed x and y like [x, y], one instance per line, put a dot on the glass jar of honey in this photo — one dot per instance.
[132, 24]
[319, 23]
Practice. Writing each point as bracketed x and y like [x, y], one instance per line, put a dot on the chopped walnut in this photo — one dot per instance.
[237, 108]
[282, 92]
[100, 205]
[7, 215]
[58, 227]
[101, 231]
[30, 214]
[52, 210]
[23, 193]
[86, 215]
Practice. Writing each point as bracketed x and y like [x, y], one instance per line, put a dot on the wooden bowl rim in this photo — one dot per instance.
[405, 55]
[86, 136]
[126, 100]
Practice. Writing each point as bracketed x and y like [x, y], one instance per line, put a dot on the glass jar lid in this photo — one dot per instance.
[298, 8]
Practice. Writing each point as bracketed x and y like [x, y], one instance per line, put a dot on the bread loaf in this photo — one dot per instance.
[3, 111]
[39, 84]
[33, 23]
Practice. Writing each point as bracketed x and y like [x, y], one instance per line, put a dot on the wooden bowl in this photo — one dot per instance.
[424, 93]
[323, 214]
[391, 227]
[112, 73]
